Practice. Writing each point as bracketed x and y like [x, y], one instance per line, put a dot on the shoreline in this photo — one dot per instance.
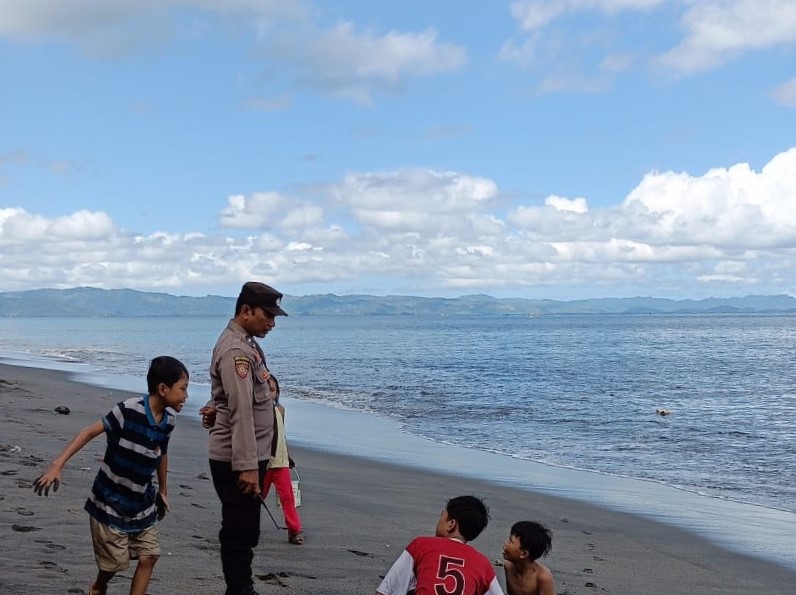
[383, 440]
[358, 514]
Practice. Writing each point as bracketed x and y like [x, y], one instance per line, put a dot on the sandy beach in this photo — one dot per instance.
[358, 515]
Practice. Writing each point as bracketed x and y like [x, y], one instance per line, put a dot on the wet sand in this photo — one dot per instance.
[358, 515]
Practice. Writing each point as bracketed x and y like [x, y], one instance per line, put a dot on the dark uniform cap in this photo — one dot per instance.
[259, 294]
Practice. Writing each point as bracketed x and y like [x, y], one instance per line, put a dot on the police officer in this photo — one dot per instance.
[240, 438]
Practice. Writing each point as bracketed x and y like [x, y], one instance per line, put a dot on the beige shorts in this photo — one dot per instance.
[113, 548]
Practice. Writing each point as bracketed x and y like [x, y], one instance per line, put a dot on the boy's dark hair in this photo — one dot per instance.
[535, 538]
[166, 369]
[470, 514]
[276, 383]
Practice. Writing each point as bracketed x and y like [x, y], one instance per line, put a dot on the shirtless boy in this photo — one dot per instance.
[528, 542]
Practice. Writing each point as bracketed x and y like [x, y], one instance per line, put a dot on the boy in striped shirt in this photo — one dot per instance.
[124, 505]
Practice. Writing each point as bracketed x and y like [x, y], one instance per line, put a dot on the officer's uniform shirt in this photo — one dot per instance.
[244, 428]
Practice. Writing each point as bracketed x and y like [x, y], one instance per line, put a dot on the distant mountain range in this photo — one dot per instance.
[89, 301]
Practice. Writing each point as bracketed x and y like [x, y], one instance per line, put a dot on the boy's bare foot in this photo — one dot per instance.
[95, 590]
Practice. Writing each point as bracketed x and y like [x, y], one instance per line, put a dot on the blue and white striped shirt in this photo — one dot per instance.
[123, 495]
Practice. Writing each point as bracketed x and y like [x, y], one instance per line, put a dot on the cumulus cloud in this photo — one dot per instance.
[354, 64]
[578, 205]
[713, 32]
[433, 231]
[719, 30]
[429, 191]
[252, 212]
[415, 199]
[339, 59]
[19, 226]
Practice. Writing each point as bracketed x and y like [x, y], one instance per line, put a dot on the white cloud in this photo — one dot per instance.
[719, 30]
[570, 58]
[531, 15]
[578, 205]
[427, 191]
[713, 32]
[522, 53]
[416, 199]
[340, 60]
[269, 210]
[86, 21]
[786, 93]
[17, 226]
[728, 208]
[439, 231]
[355, 64]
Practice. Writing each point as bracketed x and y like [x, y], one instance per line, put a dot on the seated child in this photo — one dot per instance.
[528, 542]
[445, 563]
[124, 506]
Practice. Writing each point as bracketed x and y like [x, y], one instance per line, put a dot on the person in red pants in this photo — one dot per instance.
[278, 472]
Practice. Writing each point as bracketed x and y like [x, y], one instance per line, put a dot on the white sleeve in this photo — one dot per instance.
[400, 578]
[494, 588]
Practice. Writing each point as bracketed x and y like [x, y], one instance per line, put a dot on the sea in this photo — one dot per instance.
[564, 404]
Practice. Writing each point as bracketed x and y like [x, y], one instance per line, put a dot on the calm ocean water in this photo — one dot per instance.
[572, 391]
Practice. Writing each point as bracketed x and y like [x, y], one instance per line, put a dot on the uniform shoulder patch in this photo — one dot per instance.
[242, 365]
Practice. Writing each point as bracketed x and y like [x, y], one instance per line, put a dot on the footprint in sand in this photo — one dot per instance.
[50, 545]
[10, 472]
[24, 528]
[24, 512]
[359, 553]
[275, 578]
[53, 566]
[206, 548]
[209, 545]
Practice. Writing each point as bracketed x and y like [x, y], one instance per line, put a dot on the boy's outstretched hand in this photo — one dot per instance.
[52, 477]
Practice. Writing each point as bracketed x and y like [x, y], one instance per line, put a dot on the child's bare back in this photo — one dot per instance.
[528, 579]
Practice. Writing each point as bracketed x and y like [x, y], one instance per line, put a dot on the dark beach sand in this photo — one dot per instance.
[358, 515]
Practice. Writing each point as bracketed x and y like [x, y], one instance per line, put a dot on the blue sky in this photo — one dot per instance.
[559, 149]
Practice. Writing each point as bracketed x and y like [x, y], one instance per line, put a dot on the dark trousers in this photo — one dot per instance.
[240, 525]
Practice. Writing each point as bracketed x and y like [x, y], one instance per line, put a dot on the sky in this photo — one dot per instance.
[559, 149]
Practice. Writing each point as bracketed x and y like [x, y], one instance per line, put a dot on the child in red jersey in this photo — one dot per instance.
[445, 563]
